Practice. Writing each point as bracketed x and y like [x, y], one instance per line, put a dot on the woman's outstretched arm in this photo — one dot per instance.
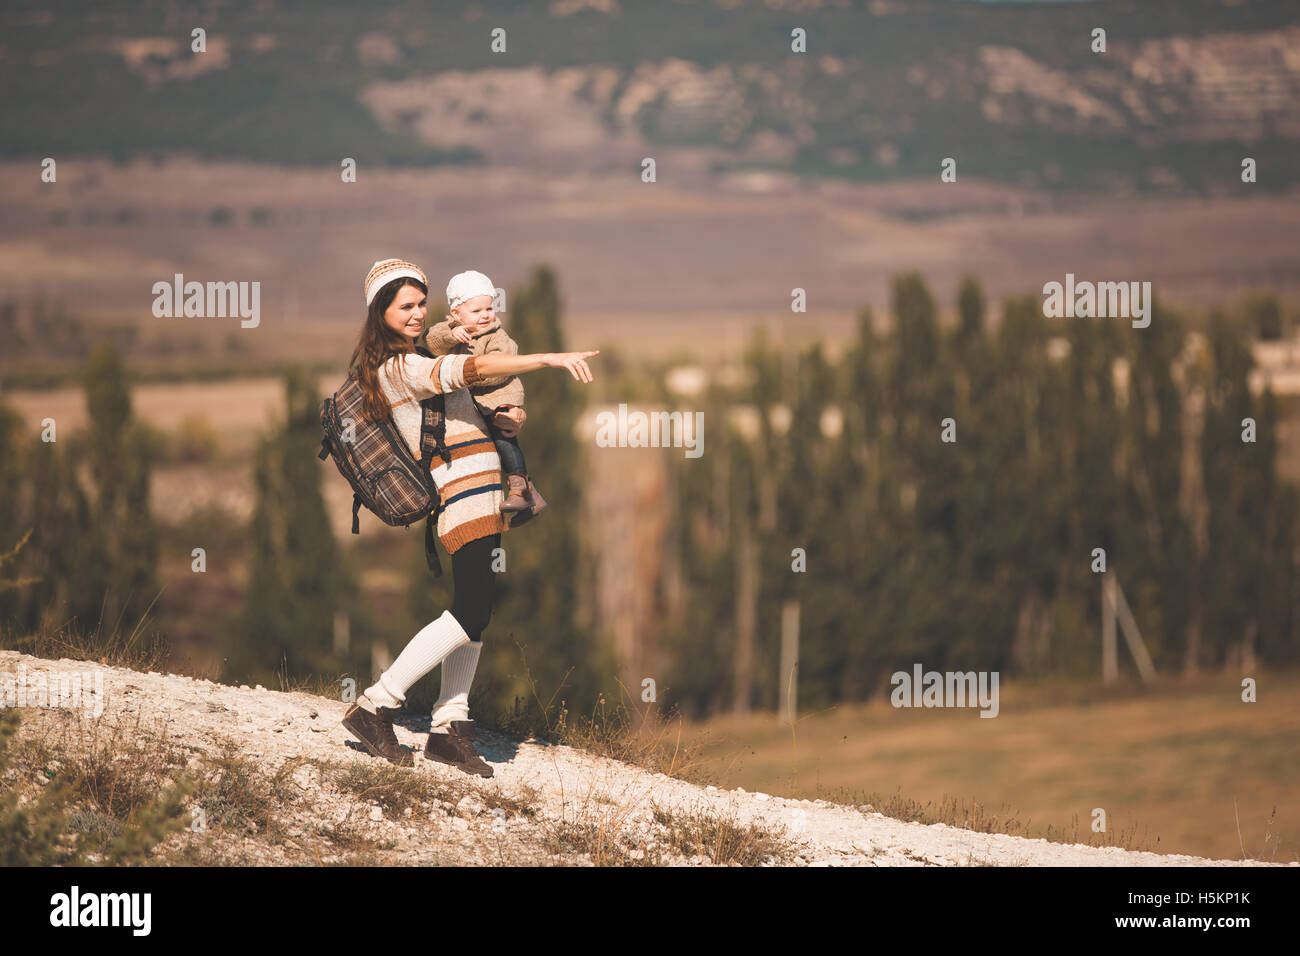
[494, 364]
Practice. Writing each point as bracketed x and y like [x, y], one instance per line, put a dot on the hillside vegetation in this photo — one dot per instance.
[885, 90]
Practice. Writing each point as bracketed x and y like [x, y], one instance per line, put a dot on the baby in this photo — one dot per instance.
[472, 328]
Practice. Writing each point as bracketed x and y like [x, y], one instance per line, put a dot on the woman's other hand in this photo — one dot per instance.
[575, 362]
[510, 420]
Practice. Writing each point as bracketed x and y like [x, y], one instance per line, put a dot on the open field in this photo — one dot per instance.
[1172, 761]
[651, 267]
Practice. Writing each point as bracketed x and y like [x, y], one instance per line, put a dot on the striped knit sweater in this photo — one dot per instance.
[471, 485]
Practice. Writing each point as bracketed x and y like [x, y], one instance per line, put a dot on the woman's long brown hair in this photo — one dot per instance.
[377, 344]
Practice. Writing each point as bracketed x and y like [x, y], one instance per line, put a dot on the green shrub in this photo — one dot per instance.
[60, 827]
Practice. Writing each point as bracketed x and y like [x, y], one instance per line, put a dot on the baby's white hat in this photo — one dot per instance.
[467, 285]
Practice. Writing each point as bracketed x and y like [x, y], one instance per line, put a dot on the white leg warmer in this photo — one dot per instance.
[457, 675]
[433, 643]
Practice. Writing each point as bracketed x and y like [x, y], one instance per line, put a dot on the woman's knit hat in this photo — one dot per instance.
[386, 270]
[467, 285]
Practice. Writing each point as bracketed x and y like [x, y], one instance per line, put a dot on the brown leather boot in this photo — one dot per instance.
[535, 502]
[456, 747]
[515, 501]
[376, 732]
[534, 497]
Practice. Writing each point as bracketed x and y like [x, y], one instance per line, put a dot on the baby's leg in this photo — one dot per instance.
[512, 456]
[512, 463]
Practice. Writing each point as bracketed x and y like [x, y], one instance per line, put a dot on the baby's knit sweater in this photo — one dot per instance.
[491, 392]
[471, 485]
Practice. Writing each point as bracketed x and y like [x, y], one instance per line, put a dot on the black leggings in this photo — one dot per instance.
[473, 584]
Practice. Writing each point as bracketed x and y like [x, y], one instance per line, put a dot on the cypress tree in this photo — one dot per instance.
[13, 467]
[298, 578]
[119, 470]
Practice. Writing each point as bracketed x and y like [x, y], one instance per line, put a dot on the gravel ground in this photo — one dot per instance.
[470, 820]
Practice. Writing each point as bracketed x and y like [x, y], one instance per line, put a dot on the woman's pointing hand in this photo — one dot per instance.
[575, 362]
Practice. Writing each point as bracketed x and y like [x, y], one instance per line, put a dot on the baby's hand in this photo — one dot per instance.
[462, 334]
[510, 419]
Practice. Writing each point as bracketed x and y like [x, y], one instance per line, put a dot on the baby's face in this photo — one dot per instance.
[476, 313]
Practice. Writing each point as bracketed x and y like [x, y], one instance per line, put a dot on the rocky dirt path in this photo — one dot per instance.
[476, 821]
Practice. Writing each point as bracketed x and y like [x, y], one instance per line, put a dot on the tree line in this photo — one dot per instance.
[953, 519]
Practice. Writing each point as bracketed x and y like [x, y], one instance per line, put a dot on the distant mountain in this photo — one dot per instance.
[1011, 91]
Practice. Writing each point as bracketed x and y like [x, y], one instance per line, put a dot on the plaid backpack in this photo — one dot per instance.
[374, 458]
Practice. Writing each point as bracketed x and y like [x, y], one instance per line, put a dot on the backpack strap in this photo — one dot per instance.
[433, 424]
[431, 544]
[433, 431]
[431, 442]
[356, 518]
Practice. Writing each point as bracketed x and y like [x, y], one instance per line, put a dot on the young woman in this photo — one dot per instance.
[395, 379]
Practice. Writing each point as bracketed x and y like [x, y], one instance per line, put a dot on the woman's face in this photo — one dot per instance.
[406, 313]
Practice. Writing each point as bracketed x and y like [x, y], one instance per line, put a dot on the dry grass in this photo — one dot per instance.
[236, 794]
[606, 825]
[112, 647]
[975, 816]
[642, 736]
[723, 839]
[115, 769]
[331, 688]
[392, 788]
[602, 845]
[1185, 767]
[600, 826]
[120, 765]
[602, 836]
[70, 794]
[396, 789]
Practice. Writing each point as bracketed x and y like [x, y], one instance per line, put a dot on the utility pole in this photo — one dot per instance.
[788, 687]
[342, 636]
[1114, 607]
[746, 612]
